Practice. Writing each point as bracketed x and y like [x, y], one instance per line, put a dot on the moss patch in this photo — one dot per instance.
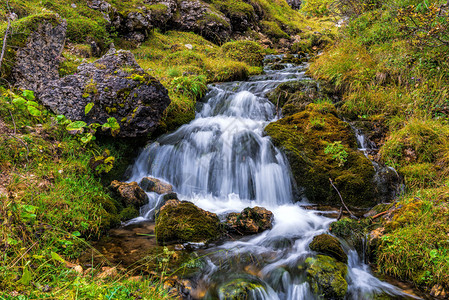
[327, 276]
[184, 222]
[305, 136]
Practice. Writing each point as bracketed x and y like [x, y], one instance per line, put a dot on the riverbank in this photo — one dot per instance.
[393, 81]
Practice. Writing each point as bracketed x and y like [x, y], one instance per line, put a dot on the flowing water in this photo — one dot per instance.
[223, 163]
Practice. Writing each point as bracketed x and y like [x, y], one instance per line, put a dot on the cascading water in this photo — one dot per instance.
[223, 163]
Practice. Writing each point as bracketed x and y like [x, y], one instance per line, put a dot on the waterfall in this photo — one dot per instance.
[222, 162]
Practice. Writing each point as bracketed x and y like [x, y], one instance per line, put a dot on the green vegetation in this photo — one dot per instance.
[390, 67]
[51, 202]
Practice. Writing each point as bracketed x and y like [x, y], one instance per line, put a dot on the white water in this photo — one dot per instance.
[222, 162]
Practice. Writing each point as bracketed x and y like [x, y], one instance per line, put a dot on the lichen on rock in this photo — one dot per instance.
[118, 87]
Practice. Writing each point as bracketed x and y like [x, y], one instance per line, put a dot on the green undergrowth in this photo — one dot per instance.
[51, 203]
[390, 65]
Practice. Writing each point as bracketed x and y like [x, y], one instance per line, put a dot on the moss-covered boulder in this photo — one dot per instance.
[327, 276]
[239, 289]
[353, 231]
[321, 147]
[182, 221]
[245, 51]
[328, 245]
[249, 221]
[129, 193]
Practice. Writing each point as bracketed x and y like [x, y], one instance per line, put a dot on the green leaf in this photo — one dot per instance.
[32, 103]
[26, 276]
[88, 108]
[19, 102]
[87, 138]
[34, 111]
[77, 125]
[29, 95]
[113, 125]
[56, 257]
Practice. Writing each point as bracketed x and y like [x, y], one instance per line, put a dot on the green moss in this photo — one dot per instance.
[272, 30]
[91, 87]
[312, 168]
[328, 245]
[186, 223]
[353, 231]
[245, 51]
[234, 8]
[237, 289]
[327, 276]
[128, 213]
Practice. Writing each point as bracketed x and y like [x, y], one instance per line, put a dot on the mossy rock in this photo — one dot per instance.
[319, 147]
[329, 245]
[181, 222]
[239, 289]
[19, 32]
[327, 276]
[353, 231]
[244, 51]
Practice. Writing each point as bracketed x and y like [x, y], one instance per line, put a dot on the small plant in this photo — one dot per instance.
[338, 152]
[26, 102]
[191, 86]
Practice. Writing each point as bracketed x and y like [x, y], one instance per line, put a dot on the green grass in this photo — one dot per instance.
[388, 76]
[51, 202]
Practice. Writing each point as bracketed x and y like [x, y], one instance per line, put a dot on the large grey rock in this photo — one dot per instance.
[38, 61]
[200, 18]
[118, 87]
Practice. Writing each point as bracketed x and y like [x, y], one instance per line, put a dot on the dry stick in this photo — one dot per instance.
[4, 41]
[380, 214]
[341, 198]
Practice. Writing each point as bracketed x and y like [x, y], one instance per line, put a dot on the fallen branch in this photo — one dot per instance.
[341, 198]
[4, 41]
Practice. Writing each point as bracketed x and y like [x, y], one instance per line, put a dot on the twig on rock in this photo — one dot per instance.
[341, 198]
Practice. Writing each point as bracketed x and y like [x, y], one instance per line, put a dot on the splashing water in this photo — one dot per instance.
[223, 163]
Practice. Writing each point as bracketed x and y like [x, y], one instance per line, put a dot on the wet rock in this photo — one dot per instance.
[319, 147]
[150, 184]
[182, 222]
[438, 291]
[327, 276]
[328, 245]
[117, 87]
[129, 193]
[37, 61]
[241, 288]
[202, 19]
[249, 221]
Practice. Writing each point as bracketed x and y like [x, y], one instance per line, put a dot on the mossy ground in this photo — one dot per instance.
[400, 79]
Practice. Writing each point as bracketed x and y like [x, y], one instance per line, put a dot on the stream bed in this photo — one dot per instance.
[223, 163]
